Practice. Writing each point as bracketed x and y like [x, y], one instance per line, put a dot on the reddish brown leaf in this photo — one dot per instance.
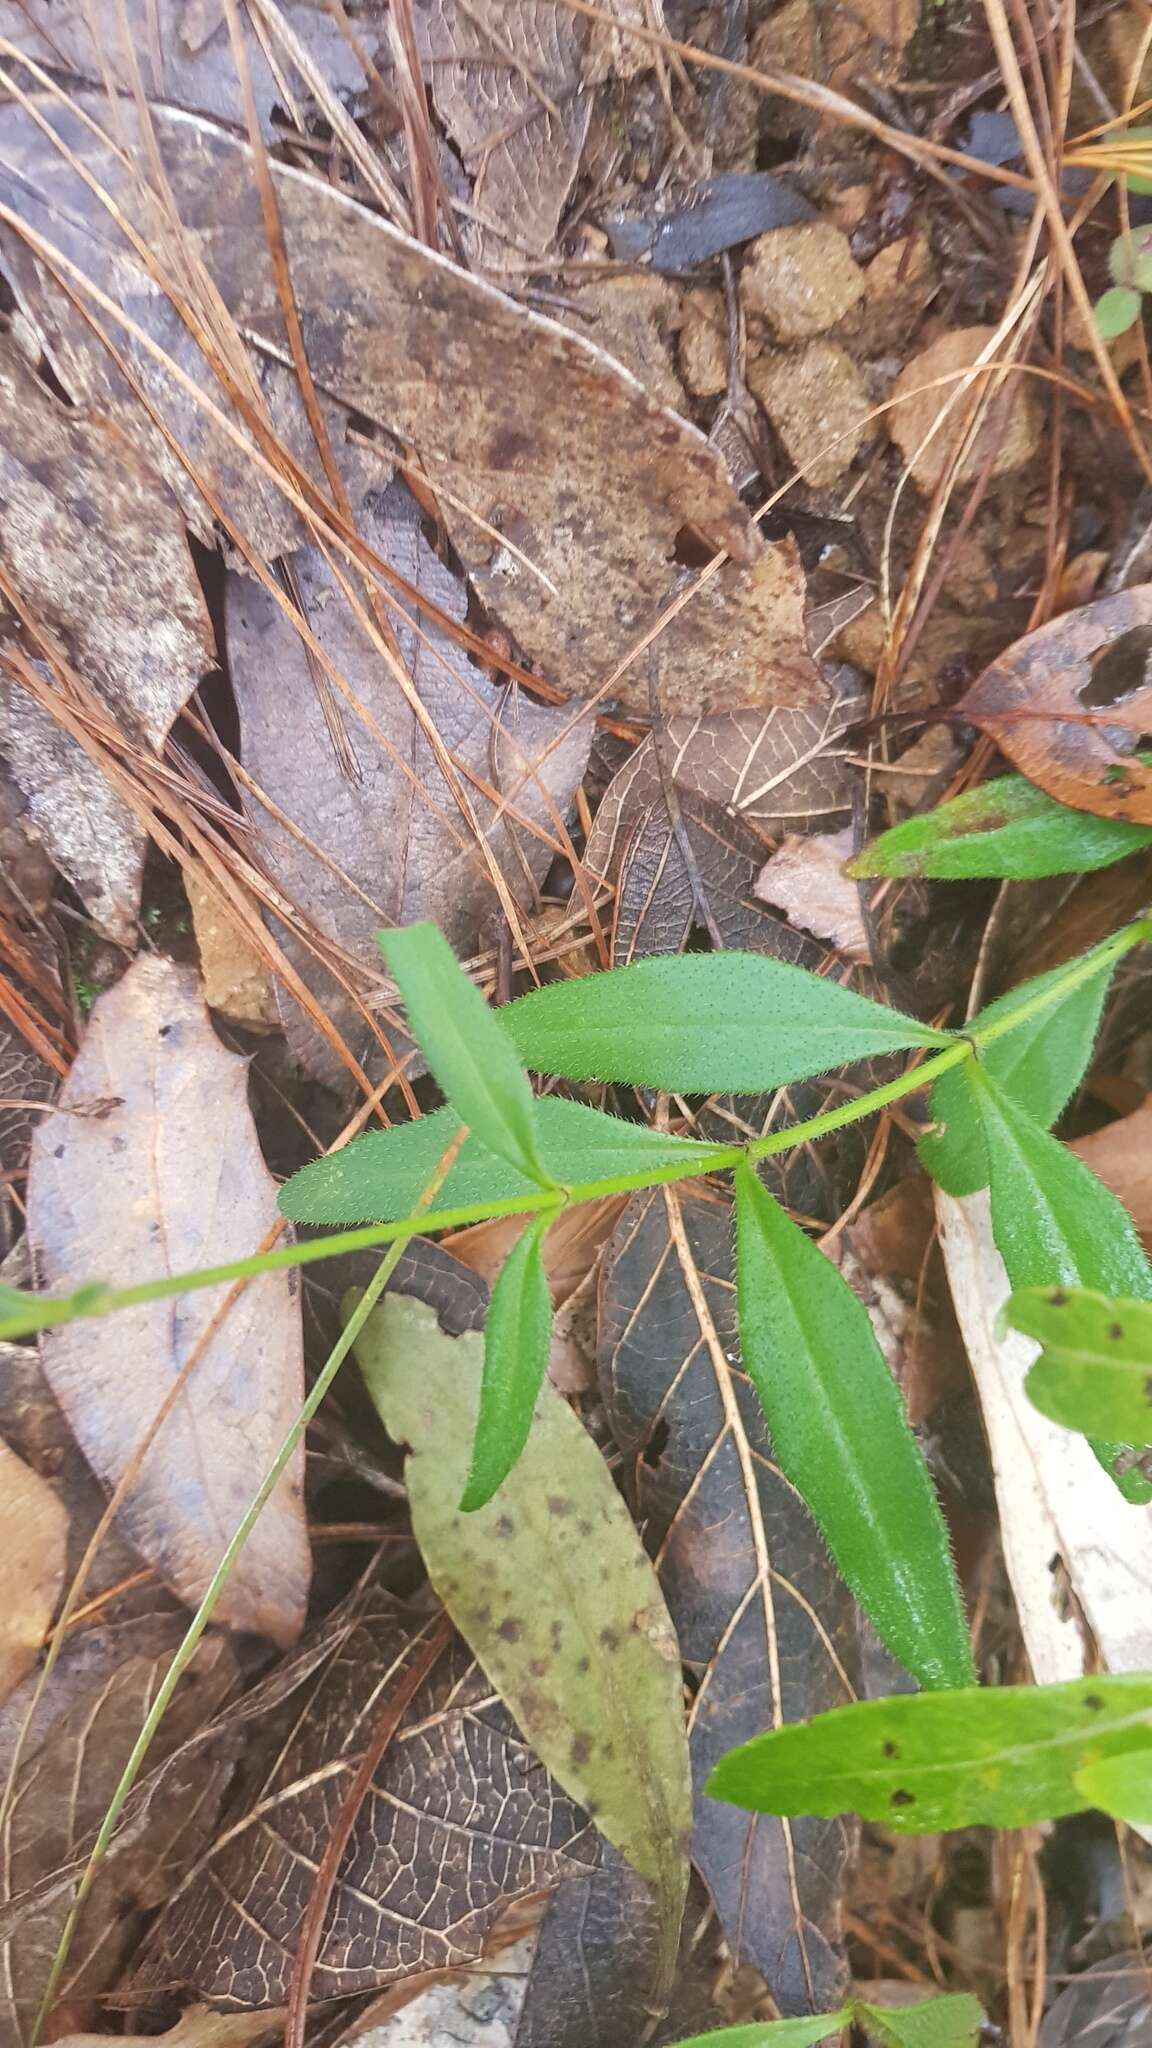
[1121, 1154]
[1069, 704]
[33, 1548]
[765, 1626]
[461, 1821]
[170, 1177]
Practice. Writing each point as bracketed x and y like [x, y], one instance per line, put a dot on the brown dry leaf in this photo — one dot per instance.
[461, 1821]
[779, 770]
[805, 879]
[764, 1623]
[930, 389]
[183, 52]
[167, 1178]
[80, 1739]
[236, 981]
[1069, 703]
[26, 873]
[572, 1252]
[520, 425]
[393, 846]
[199, 2027]
[1121, 1155]
[33, 1550]
[506, 79]
[96, 548]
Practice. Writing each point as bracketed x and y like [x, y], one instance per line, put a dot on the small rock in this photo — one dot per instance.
[1014, 431]
[801, 280]
[236, 981]
[805, 879]
[632, 319]
[788, 41]
[818, 405]
[704, 345]
[892, 22]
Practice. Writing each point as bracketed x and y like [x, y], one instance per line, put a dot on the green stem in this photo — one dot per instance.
[44, 1312]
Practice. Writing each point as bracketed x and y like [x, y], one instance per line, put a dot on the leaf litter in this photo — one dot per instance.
[530, 479]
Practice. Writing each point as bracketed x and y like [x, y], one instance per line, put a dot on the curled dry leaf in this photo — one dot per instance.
[766, 1627]
[506, 77]
[805, 879]
[393, 846]
[95, 546]
[33, 1549]
[169, 1177]
[79, 1741]
[519, 424]
[1079, 1557]
[1069, 704]
[460, 1823]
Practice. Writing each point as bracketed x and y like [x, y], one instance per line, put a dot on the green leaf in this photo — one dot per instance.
[1007, 828]
[805, 2033]
[551, 1586]
[1055, 1224]
[380, 1178]
[951, 2022]
[1003, 1758]
[1095, 1374]
[841, 1436]
[1116, 310]
[464, 1045]
[700, 1022]
[1040, 1064]
[1120, 1785]
[517, 1332]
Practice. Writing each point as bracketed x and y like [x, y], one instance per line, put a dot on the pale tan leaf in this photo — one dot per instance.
[168, 1178]
[805, 879]
[33, 1547]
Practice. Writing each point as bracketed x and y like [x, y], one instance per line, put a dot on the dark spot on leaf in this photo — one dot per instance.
[1116, 1332]
[902, 1798]
[59, 1152]
[505, 1526]
[891, 1749]
[484, 1613]
[585, 1529]
[1094, 1703]
[1057, 1298]
[164, 1030]
[557, 1634]
[609, 1639]
[557, 1505]
[591, 1808]
[581, 1749]
[538, 1668]
[510, 1630]
[583, 1664]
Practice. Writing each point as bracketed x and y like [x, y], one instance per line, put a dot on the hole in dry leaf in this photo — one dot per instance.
[656, 1445]
[691, 549]
[1121, 670]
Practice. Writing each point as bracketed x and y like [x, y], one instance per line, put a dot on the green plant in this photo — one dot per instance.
[950, 2022]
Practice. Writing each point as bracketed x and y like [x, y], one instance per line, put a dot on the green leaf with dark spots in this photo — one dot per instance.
[841, 1436]
[1039, 1064]
[704, 1022]
[551, 1586]
[1095, 1374]
[380, 1178]
[517, 1332]
[1002, 1758]
[1007, 828]
[464, 1045]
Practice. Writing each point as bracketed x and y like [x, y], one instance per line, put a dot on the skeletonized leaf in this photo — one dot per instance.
[1039, 1063]
[766, 1626]
[704, 1022]
[166, 1178]
[982, 1757]
[842, 1437]
[586, 1660]
[1121, 1785]
[464, 1046]
[1006, 828]
[517, 1333]
[381, 1177]
[461, 1823]
[1095, 1372]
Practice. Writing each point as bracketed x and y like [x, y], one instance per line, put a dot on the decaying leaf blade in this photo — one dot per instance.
[550, 1585]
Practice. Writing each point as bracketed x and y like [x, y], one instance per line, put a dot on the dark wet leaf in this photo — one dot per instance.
[529, 402]
[1109, 2006]
[766, 1627]
[394, 845]
[595, 1962]
[79, 1742]
[731, 209]
[462, 1821]
[172, 1178]
[588, 1663]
